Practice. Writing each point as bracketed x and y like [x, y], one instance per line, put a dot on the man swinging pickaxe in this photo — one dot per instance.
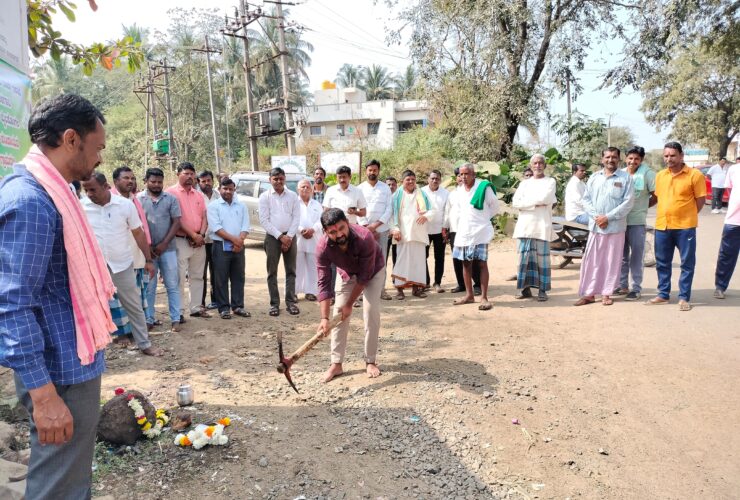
[285, 363]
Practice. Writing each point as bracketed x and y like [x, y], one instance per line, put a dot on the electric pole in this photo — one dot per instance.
[287, 111]
[164, 150]
[208, 52]
[567, 93]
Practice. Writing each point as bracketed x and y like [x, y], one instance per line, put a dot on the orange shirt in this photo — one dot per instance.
[192, 205]
[677, 196]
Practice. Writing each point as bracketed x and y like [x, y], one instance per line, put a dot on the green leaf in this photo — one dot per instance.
[55, 52]
[67, 12]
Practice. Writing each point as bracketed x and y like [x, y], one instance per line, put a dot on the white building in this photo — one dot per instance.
[346, 119]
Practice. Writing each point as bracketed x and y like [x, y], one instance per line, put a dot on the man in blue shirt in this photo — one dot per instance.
[608, 199]
[37, 324]
[228, 224]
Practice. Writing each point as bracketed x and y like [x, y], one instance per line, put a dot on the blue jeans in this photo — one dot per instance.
[665, 244]
[634, 250]
[727, 258]
[167, 265]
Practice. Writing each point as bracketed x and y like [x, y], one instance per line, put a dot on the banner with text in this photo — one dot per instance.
[15, 109]
[331, 161]
[290, 164]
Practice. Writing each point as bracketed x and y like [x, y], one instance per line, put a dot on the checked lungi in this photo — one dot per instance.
[120, 318]
[534, 264]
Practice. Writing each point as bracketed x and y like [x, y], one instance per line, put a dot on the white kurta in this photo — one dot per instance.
[535, 221]
[474, 226]
[307, 275]
[410, 267]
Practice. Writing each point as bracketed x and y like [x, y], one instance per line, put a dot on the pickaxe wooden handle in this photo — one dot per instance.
[286, 362]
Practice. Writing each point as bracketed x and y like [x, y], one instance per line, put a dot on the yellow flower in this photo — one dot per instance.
[226, 421]
[147, 426]
[141, 420]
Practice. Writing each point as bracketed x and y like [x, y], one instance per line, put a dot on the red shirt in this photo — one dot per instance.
[192, 205]
[363, 259]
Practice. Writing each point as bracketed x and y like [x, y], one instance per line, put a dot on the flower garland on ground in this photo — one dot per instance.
[204, 435]
[149, 430]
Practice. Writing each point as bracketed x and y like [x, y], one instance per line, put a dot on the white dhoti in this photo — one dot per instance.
[410, 268]
[307, 274]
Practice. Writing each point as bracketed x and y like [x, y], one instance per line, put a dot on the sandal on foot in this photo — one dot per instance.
[385, 296]
[225, 315]
[583, 301]
[607, 301]
[459, 302]
[684, 305]
[293, 309]
[240, 311]
[274, 311]
[656, 301]
[526, 293]
[400, 296]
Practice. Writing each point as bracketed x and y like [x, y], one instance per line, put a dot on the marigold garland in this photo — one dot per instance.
[149, 430]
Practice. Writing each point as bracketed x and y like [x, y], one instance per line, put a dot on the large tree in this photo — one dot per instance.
[350, 75]
[484, 61]
[698, 95]
[378, 83]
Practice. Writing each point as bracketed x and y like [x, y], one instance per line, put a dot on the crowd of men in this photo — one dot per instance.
[75, 271]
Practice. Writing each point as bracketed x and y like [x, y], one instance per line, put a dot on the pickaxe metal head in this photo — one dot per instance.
[284, 363]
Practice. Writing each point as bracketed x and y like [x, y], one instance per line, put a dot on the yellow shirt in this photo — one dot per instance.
[677, 196]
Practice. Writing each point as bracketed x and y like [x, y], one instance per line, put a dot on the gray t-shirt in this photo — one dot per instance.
[159, 215]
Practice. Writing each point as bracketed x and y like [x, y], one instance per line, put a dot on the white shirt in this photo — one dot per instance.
[573, 195]
[474, 226]
[439, 200]
[379, 205]
[310, 219]
[452, 212]
[351, 197]
[718, 174]
[535, 221]
[112, 225]
[280, 213]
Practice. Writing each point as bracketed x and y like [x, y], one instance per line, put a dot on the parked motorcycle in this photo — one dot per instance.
[572, 239]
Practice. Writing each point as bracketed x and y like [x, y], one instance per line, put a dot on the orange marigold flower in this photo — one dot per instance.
[226, 421]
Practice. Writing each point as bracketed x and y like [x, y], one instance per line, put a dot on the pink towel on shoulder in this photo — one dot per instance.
[90, 284]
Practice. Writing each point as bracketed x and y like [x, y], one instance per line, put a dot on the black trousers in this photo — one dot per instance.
[391, 251]
[458, 266]
[438, 242]
[228, 267]
[208, 270]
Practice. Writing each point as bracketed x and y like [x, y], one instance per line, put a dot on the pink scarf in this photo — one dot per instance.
[140, 210]
[90, 284]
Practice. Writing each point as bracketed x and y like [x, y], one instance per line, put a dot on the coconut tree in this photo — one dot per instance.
[350, 75]
[405, 84]
[378, 83]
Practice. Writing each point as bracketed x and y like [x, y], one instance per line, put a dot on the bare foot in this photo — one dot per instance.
[372, 370]
[464, 300]
[153, 351]
[335, 370]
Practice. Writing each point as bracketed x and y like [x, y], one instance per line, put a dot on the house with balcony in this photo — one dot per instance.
[346, 119]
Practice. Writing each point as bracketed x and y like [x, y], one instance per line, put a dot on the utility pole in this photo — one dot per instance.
[567, 93]
[168, 109]
[609, 130]
[208, 52]
[287, 111]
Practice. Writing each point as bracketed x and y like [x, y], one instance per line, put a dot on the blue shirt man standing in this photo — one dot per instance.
[38, 338]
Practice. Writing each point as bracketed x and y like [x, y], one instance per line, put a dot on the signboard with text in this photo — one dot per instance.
[14, 34]
[15, 109]
[332, 161]
[290, 164]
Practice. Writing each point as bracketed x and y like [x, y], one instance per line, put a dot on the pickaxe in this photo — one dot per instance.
[285, 363]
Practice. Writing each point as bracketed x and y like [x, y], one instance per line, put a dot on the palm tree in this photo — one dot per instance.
[55, 77]
[350, 76]
[405, 84]
[139, 35]
[263, 47]
[378, 83]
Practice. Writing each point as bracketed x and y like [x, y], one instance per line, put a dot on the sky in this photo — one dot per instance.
[354, 32]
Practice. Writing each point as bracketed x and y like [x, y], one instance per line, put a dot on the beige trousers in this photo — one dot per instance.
[370, 313]
[190, 263]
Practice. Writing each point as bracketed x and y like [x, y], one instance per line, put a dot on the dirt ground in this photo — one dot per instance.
[627, 401]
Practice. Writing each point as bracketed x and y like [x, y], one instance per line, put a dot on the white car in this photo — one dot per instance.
[250, 185]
